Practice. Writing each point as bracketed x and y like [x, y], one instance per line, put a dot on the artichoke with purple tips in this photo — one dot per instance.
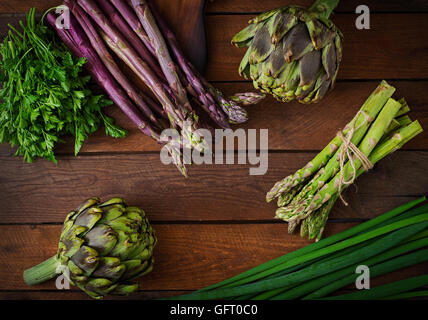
[293, 53]
[102, 249]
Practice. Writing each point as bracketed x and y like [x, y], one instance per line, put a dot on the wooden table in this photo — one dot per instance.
[216, 223]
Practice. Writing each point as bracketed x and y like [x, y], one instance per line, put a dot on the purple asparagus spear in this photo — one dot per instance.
[177, 114]
[78, 43]
[168, 66]
[131, 18]
[151, 80]
[128, 33]
[109, 62]
[235, 113]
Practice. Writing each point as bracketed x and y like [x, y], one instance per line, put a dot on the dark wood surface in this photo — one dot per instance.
[216, 223]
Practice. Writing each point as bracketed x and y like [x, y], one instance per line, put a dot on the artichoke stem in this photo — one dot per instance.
[42, 272]
[324, 7]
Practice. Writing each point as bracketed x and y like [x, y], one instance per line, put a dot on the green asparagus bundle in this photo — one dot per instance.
[379, 128]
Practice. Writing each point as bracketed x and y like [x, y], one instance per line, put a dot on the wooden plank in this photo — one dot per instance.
[368, 54]
[383, 58]
[221, 251]
[76, 294]
[236, 6]
[226, 6]
[43, 192]
[188, 257]
[290, 125]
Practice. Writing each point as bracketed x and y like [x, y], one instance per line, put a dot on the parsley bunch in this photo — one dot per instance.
[45, 94]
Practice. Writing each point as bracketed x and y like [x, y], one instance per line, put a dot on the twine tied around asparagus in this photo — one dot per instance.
[347, 151]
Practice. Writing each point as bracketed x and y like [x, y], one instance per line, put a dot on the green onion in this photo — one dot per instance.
[407, 295]
[328, 280]
[335, 247]
[402, 230]
[385, 290]
[394, 240]
[268, 268]
[348, 277]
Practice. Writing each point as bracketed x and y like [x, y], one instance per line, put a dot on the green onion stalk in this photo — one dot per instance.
[389, 242]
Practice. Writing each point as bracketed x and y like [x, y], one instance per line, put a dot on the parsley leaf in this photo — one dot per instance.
[44, 94]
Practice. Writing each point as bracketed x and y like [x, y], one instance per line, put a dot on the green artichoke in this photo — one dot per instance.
[102, 248]
[293, 53]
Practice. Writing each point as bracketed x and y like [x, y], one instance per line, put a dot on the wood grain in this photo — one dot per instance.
[216, 223]
[348, 6]
[291, 126]
[238, 6]
[188, 22]
[386, 51]
[203, 253]
[186, 17]
[76, 294]
[378, 53]
[188, 257]
[44, 192]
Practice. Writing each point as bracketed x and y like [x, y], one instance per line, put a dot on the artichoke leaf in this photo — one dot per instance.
[297, 43]
[125, 289]
[124, 246]
[320, 34]
[110, 268]
[309, 68]
[99, 287]
[133, 268]
[329, 60]
[70, 245]
[89, 217]
[288, 22]
[265, 15]
[242, 37]
[86, 258]
[261, 47]
[101, 238]
[113, 201]
[244, 66]
[275, 63]
[87, 204]
[112, 212]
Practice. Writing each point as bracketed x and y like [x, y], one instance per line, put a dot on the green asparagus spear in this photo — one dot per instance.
[362, 120]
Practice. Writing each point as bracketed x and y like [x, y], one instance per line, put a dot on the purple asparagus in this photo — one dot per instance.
[131, 18]
[247, 98]
[235, 113]
[168, 66]
[77, 42]
[206, 99]
[189, 80]
[151, 80]
[109, 62]
[140, 47]
[177, 114]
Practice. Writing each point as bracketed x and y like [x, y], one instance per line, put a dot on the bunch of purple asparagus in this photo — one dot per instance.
[104, 30]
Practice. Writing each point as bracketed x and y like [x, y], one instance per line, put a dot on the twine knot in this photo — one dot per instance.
[347, 151]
